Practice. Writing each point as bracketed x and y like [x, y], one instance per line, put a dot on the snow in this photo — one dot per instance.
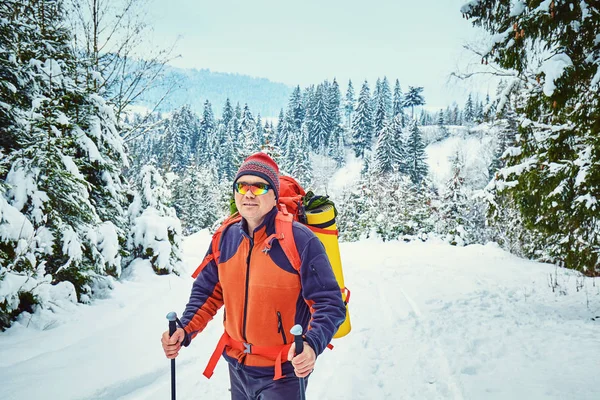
[430, 321]
[71, 246]
[475, 149]
[108, 243]
[553, 68]
[13, 224]
[516, 8]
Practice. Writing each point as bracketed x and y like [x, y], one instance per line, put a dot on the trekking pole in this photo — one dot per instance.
[172, 317]
[297, 332]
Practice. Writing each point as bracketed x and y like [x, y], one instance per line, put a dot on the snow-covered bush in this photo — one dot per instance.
[155, 229]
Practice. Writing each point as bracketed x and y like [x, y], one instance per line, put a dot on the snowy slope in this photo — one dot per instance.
[430, 321]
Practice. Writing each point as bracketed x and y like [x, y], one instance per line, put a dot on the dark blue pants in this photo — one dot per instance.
[247, 385]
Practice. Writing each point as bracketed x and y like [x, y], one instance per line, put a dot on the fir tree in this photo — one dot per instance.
[207, 136]
[415, 152]
[455, 205]
[362, 125]
[296, 108]
[413, 99]
[62, 172]
[279, 139]
[469, 111]
[398, 100]
[227, 113]
[335, 129]
[156, 231]
[318, 122]
[386, 150]
[349, 104]
[552, 174]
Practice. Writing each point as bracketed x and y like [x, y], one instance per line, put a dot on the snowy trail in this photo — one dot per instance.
[429, 321]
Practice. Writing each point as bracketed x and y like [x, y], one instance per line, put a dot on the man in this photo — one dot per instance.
[264, 296]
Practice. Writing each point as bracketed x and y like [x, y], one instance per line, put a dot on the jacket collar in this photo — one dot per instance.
[267, 226]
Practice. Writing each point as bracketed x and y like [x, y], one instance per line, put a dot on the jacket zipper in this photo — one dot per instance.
[280, 327]
[247, 286]
[314, 270]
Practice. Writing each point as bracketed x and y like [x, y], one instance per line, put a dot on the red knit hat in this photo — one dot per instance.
[261, 165]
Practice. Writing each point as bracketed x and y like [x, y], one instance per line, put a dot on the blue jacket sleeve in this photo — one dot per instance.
[205, 300]
[322, 292]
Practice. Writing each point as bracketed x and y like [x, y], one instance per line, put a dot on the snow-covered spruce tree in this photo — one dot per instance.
[297, 158]
[388, 156]
[397, 99]
[413, 98]
[416, 167]
[317, 119]
[248, 144]
[454, 205]
[181, 140]
[349, 104]
[260, 132]
[356, 212]
[155, 229]
[198, 190]
[65, 165]
[362, 124]
[469, 111]
[334, 101]
[205, 144]
[553, 172]
[296, 109]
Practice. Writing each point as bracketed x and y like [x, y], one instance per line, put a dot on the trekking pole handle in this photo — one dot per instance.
[298, 340]
[172, 317]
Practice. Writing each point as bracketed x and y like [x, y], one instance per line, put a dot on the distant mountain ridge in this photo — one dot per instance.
[194, 87]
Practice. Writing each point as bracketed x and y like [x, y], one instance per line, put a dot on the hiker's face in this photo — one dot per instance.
[252, 207]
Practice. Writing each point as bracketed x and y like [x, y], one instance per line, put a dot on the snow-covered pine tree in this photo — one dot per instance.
[227, 114]
[416, 166]
[318, 122]
[204, 149]
[469, 111]
[279, 139]
[380, 118]
[296, 108]
[349, 104]
[413, 98]
[199, 206]
[248, 143]
[454, 206]
[260, 132]
[355, 219]
[63, 170]
[334, 99]
[362, 125]
[182, 140]
[297, 160]
[397, 100]
[387, 152]
[156, 233]
[552, 174]
[386, 94]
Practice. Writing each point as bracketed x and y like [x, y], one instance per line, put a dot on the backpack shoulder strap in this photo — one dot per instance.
[215, 242]
[285, 235]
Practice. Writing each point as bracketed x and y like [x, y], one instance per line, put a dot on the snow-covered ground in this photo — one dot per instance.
[430, 321]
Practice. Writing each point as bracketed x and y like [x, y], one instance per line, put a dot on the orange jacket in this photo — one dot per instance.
[264, 296]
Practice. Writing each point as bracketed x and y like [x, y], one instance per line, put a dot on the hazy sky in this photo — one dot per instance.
[305, 42]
